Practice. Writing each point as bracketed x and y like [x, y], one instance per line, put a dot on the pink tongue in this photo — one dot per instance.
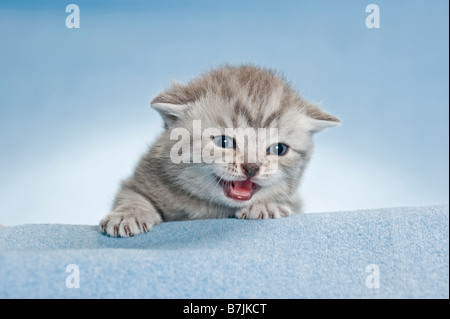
[241, 190]
[243, 186]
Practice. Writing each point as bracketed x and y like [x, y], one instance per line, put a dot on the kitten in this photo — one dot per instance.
[163, 188]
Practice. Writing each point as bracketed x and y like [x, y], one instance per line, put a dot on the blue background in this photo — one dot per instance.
[74, 103]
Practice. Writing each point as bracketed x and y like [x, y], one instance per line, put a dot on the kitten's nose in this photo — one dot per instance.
[250, 169]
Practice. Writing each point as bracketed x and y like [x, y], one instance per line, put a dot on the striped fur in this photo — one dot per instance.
[237, 97]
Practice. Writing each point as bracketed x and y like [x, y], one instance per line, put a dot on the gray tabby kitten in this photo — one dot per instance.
[245, 96]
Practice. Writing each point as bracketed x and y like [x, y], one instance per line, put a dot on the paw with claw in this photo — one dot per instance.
[127, 224]
[264, 211]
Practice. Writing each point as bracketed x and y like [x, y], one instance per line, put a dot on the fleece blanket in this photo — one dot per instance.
[385, 253]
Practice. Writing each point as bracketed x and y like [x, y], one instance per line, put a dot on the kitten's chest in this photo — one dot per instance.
[193, 209]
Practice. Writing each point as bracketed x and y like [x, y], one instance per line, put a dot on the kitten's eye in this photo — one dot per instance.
[278, 149]
[224, 141]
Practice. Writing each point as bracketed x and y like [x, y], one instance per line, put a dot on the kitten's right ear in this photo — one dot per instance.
[172, 103]
[168, 111]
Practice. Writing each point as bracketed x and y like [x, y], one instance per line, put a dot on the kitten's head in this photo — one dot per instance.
[231, 159]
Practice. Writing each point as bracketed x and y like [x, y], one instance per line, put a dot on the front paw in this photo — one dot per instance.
[264, 211]
[127, 224]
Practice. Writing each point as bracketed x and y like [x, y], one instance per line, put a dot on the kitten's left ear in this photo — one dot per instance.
[318, 120]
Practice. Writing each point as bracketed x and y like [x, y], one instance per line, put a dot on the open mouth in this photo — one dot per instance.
[239, 190]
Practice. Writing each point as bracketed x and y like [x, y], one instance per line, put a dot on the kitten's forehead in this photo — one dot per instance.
[251, 85]
[243, 112]
[245, 100]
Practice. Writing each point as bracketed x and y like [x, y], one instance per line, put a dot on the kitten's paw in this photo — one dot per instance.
[126, 224]
[264, 211]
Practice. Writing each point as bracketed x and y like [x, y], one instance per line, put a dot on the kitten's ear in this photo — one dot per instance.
[172, 103]
[169, 112]
[318, 120]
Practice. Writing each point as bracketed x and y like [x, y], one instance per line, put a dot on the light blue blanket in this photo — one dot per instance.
[386, 253]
